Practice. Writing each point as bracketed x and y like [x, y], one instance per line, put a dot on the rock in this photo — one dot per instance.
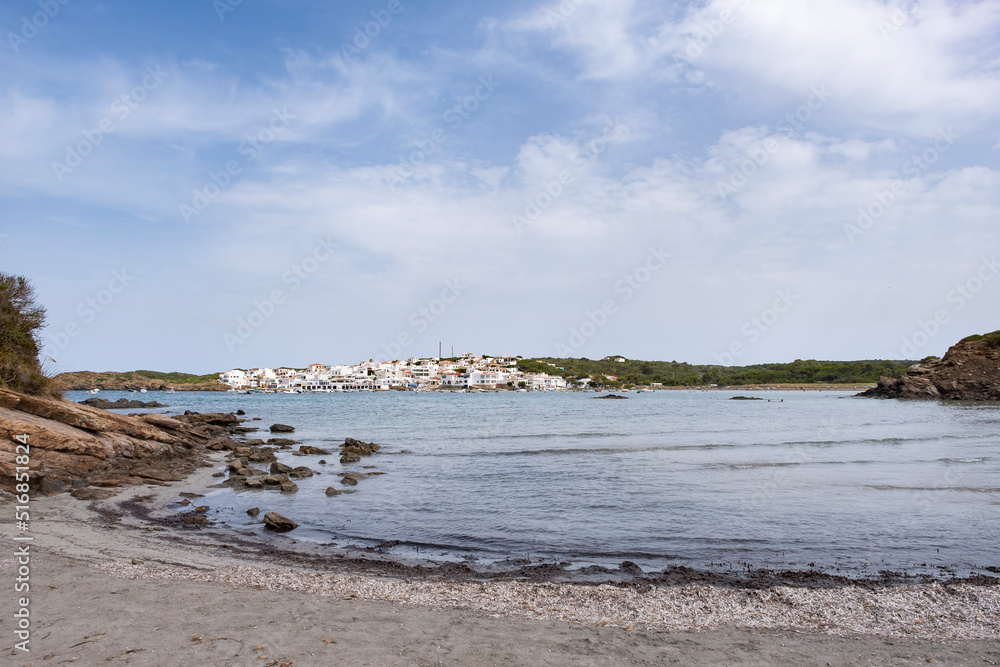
[219, 474]
[188, 494]
[969, 371]
[50, 486]
[90, 493]
[313, 451]
[280, 467]
[282, 442]
[745, 398]
[246, 429]
[252, 483]
[330, 491]
[300, 473]
[202, 509]
[253, 511]
[289, 487]
[209, 419]
[282, 524]
[273, 480]
[195, 519]
[240, 412]
[350, 458]
[184, 502]
[256, 442]
[256, 419]
[322, 461]
[264, 455]
[611, 396]
[358, 447]
[85, 446]
[348, 480]
[281, 428]
[630, 568]
[105, 404]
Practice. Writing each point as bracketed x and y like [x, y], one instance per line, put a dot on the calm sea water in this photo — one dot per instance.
[665, 478]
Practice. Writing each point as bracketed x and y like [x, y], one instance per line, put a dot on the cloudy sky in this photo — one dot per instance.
[201, 185]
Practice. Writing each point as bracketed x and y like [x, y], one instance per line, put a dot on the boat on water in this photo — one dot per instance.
[170, 390]
[93, 390]
[142, 390]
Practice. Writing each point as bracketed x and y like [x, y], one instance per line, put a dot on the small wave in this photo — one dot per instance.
[585, 450]
[751, 466]
[980, 459]
[970, 489]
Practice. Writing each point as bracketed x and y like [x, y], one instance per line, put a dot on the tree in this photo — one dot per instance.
[21, 320]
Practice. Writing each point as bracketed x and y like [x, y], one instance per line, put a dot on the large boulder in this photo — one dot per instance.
[281, 428]
[280, 523]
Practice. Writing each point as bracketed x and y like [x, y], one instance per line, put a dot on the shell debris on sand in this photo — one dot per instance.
[935, 611]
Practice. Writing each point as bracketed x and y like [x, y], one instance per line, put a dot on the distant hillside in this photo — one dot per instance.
[679, 374]
[133, 380]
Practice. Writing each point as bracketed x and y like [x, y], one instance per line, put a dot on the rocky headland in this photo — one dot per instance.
[133, 381]
[88, 451]
[969, 371]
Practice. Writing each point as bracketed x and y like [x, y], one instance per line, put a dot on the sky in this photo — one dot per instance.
[202, 185]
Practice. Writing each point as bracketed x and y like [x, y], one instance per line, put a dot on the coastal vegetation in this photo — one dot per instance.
[134, 380]
[614, 371]
[21, 320]
[992, 339]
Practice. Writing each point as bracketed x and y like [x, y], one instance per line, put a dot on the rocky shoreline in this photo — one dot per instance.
[969, 371]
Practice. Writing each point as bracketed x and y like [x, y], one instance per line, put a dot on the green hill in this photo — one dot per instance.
[679, 374]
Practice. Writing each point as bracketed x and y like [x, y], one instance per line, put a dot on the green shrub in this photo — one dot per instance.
[21, 320]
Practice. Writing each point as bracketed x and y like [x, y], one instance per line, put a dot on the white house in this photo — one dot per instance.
[234, 378]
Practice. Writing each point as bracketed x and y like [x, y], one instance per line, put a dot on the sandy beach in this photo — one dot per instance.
[109, 586]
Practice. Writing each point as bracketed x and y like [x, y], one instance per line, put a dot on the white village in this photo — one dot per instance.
[468, 372]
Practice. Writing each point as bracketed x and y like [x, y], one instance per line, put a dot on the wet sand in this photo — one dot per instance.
[112, 586]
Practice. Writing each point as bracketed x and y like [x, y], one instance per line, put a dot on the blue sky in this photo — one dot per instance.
[197, 186]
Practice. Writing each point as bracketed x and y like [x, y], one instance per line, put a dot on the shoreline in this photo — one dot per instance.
[150, 592]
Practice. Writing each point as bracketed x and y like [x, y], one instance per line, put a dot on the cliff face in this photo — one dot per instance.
[74, 446]
[969, 371]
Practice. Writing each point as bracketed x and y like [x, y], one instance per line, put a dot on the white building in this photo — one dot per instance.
[234, 378]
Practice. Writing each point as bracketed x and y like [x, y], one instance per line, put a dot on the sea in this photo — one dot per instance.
[799, 480]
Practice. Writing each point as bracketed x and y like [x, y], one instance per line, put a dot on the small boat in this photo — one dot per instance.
[171, 390]
[93, 390]
[142, 390]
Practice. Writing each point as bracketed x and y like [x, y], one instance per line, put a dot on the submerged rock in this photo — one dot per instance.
[105, 404]
[253, 511]
[330, 491]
